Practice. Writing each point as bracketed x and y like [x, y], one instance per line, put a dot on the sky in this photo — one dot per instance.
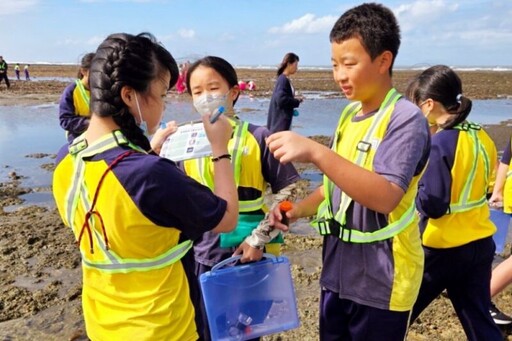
[254, 33]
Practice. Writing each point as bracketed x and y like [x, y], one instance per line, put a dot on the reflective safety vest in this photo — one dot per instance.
[201, 169]
[3, 66]
[362, 154]
[80, 194]
[467, 216]
[507, 191]
[81, 99]
[465, 203]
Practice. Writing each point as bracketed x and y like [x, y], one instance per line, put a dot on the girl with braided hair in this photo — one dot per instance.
[134, 215]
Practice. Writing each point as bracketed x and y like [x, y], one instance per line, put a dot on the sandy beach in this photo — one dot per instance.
[40, 276]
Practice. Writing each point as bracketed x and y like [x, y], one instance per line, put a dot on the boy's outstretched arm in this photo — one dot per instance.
[367, 188]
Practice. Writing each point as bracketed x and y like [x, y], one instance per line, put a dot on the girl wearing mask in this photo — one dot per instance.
[133, 213]
[212, 82]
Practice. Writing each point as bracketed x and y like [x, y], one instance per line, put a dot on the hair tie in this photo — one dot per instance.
[459, 98]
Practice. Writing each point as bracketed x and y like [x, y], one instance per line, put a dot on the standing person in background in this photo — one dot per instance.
[452, 202]
[372, 255]
[284, 101]
[502, 197]
[212, 82]
[17, 71]
[181, 86]
[74, 114]
[27, 73]
[3, 72]
[133, 213]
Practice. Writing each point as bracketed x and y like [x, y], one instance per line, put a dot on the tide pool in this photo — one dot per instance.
[26, 130]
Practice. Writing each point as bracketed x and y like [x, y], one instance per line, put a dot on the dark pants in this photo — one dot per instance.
[4, 76]
[465, 272]
[342, 319]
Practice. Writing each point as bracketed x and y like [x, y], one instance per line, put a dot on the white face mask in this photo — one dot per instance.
[143, 125]
[208, 103]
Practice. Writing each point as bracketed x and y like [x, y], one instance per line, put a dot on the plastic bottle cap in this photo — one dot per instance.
[285, 206]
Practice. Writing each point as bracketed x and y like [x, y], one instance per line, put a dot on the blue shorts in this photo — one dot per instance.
[342, 319]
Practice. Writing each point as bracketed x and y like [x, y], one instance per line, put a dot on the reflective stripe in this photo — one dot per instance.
[80, 149]
[130, 265]
[388, 104]
[509, 174]
[468, 205]
[240, 133]
[83, 93]
[356, 236]
[324, 214]
[464, 204]
[113, 263]
[250, 205]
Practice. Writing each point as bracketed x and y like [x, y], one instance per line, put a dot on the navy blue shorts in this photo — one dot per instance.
[342, 319]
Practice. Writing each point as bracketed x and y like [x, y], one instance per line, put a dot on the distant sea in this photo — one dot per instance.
[397, 68]
[422, 66]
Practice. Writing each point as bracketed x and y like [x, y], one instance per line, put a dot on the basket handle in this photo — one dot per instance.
[235, 259]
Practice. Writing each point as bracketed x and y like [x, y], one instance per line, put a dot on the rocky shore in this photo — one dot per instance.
[40, 277]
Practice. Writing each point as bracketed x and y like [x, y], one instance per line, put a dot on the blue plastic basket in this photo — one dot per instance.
[249, 300]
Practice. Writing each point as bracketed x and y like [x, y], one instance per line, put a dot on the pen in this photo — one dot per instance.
[216, 114]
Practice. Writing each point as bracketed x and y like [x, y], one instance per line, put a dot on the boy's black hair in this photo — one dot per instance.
[441, 84]
[375, 26]
[220, 65]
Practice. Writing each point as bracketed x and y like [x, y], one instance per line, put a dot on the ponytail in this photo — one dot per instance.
[460, 112]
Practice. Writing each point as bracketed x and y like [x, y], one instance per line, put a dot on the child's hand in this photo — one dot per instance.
[249, 253]
[275, 217]
[496, 200]
[161, 135]
[288, 146]
[218, 133]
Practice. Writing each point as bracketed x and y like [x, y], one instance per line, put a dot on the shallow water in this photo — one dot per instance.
[25, 130]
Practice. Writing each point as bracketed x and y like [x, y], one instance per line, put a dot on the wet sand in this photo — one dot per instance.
[40, 277]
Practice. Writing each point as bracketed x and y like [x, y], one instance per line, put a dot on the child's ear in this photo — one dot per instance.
[235, 92]
[386, 59]
[128, 96]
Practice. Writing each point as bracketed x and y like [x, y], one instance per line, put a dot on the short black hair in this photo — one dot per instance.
[374, 25]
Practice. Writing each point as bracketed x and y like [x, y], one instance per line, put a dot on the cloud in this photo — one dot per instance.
[8, 7]
[487, 36]
[117, 1]
[308, 23]
[418, 13]
[186, 33]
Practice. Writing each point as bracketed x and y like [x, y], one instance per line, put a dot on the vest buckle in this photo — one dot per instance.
[363, 146]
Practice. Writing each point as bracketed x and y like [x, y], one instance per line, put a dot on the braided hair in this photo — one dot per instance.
[127, 60]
